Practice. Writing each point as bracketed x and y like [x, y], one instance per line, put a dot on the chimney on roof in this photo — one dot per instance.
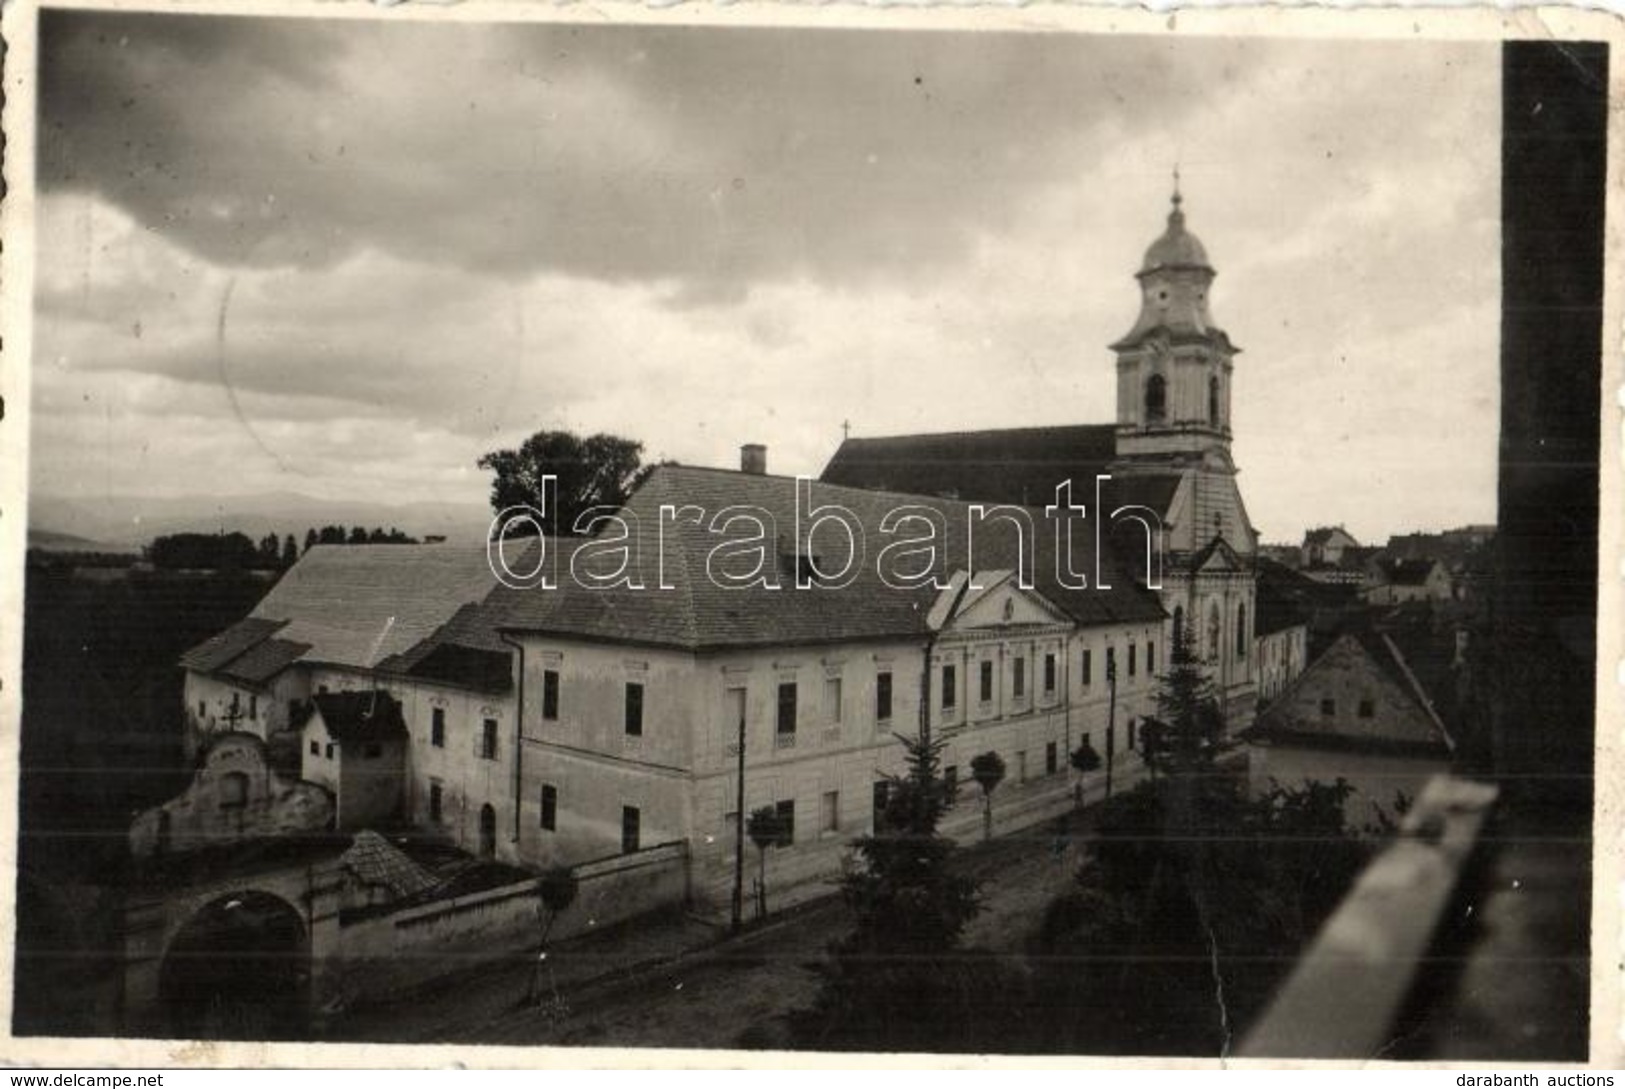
[753, 459]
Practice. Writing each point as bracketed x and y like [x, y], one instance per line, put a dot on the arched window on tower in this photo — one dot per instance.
[1241, 631]
[1215, 628]
[1213, 401]
[1179, 628]
[1156, 399]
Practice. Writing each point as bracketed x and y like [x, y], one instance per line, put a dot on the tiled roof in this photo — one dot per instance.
[696, 612]
[360, 716]
[1385, 657]
[357, 605]
[1017, 465]
[375, 861]
[263, 661]
[217, 650]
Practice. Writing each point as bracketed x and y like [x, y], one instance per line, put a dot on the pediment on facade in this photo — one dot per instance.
[995, 599]
[1217, 558]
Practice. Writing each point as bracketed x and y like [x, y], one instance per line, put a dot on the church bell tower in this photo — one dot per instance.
[1174, 366]
[1174, 370]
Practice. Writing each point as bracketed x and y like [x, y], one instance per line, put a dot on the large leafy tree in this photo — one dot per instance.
[599, 470]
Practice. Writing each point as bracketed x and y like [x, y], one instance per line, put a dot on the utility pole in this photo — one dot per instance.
[739, 834]
[1111, 718]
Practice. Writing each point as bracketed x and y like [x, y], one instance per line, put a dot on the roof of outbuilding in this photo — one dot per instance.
[696, 612]
[357, 605]
[219, 649]
[264, 661]
[376, 861]
[363, 606]
[360, 716]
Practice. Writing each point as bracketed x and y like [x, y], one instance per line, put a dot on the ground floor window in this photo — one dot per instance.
[550, 807]
[631, 828]
[786, 812]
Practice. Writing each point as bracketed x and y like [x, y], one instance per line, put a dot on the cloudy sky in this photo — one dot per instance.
[345, 258]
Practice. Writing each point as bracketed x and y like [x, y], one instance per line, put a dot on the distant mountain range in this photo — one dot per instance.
[121, 522]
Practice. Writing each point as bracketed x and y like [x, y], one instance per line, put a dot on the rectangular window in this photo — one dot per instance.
[437, 728]
[987, 682]
[831, 812]
[634, 709]
[786, 812]
[1049, 674]
[315, 748]
[253, 707]
[550, 695]
[1111, 664]
[1088, 667]
[787, 709]
[832, 699]
[488, 739]
[1018, 673]
[950, 687]
[1367, 709]
[330, 749]
[883, 696]
[1052, 759]
[202, 709]
[631, 828]
[1131, 735]
[882, 795]
[550, 807]
[1131, 657]
[436, 800]
[1328, 707]
[1151, 657]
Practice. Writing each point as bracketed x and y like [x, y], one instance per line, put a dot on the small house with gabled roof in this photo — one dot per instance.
[355, 745]
[1360, 713]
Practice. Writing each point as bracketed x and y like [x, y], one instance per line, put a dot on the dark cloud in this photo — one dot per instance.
[709, 157]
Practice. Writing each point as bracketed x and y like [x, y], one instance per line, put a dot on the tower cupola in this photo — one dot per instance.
[1174, 365]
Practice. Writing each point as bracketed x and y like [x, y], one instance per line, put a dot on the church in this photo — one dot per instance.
[1167, 455]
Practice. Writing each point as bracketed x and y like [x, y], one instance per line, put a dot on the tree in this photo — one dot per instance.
[311, 539]
[1084, 758]
[988, 771]
[270, 552]
[358, 535]
[557, 889]
[888, 983]
[904, 894]
[290, 552]
[1184, 737]
[766, 828]
[600, 470]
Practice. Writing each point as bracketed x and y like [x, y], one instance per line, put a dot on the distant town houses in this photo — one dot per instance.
[1443, 566]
